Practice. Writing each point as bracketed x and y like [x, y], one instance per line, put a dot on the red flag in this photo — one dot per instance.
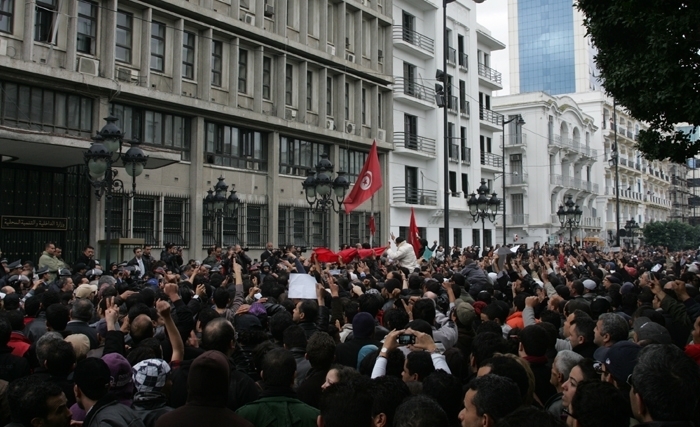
[368, 182]
[413, 234]
[372, 225]
[325, 255]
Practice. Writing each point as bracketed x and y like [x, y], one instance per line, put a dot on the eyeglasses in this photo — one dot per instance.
[566, 412]
[629, 381]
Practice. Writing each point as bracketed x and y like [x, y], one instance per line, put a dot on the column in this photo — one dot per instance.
[28, 34]
[256, 79]
[233, 73]
[144, 70]
[109, 39]
[177, 56]
[197, 190]
[204, 71]
[273, 167]
[71, 41]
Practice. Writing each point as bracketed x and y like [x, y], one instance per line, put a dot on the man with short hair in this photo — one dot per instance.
[533, 348]
[609, 329]
[420, 411]
[598, 404]
[139, 261]
[86, 258]
[665, 387]
[81, 313]
[581, 336]
[346, 404]
[387, 395]
[320, 352]
[49, 260]
[34, 402]
[418, 365]
[294, 340]
[488, 399]
[278, 406]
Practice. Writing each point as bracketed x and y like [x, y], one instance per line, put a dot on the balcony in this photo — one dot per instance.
[555, 180]
[466, 155]
[454, 153]
[413, 42]
[452, 104]
[464, 108]
[563, 141]
[451, 56]
[415, 94]
[658, 201]
[414, 145]
[464, 60]
[414, 196]
[491, 77]
[586, 222]
[517, 219]
[516, 141]
[516, 179]
[490, 118]
[492, 160]
[575, 183]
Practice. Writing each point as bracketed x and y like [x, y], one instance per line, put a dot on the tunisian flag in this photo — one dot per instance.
[368, 182]
[412, 238]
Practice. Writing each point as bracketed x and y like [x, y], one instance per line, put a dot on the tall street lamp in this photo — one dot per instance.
[614, 160]
[217, 206]
[483, 207]
[105, 151]
[519, 122]
[570, 217]
[631, 226]
[323, 191]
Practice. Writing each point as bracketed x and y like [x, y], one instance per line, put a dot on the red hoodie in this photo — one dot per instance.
[19, 344]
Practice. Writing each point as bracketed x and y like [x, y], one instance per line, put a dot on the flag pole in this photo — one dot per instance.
[371, 215]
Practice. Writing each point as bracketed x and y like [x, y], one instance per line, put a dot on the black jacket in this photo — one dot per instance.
[149, 406]
[12, 367]
[321, 323]
[346, 353]
[80, 327]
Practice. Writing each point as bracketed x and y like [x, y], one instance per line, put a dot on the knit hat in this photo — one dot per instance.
[647, 330]
[693, 350]
[208, 379]
[364, 351]
[92, 377]
[121, 383]
[589, 284]
[465, 313]
[150, 375]
[247, 322]
[626, 288]
[363, 325]
[621, 359]
[80, 343]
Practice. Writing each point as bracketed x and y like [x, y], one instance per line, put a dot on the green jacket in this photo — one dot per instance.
[50, 261]
[279, 412]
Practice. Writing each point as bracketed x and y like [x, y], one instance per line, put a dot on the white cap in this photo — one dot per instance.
[589, 284]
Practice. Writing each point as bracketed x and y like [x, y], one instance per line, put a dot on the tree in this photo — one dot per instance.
[673, 234]
[649, 61]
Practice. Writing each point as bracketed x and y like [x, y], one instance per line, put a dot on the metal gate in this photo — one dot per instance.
[28, 191]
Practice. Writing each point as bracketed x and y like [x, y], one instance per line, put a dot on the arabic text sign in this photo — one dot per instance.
[9, 222]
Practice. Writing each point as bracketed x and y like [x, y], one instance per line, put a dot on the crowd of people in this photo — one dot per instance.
[400, 336]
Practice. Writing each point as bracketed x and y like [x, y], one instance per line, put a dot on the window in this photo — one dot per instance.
[35, 108]
[154, 127]
[309, 90]
[297, 156]
[466, 151]
[147, 218]
[300, 227]
[217, 62]
[331, 23]
[349, 32]
[244, 4]
[188, 46]
[457, 237]
[453, 184]
[476, 238]
[354, 227]
[351, 162]
[364, 106]
[288, 84]
[267, 78]
[242, 71]
[44, 20]
[87, 27]
[235, 147]
[465, 185]
[347, 101]
[7, 8]
[488, 237]
[313, 18]
[329, 96]
[366, 38]
[255, 225]
[176, 218]
[157, 46]
[380, 119]
[292, 14]
[125, 28]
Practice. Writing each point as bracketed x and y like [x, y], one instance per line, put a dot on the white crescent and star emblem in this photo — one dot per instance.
[366, 182]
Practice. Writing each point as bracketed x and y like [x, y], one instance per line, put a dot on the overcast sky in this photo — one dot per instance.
[493, 14]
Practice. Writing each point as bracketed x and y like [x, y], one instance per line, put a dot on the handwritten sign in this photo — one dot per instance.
[33, 223]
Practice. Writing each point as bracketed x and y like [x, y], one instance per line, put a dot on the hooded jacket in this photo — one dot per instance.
[475, 277]
[208, 387]
[149, 406]
[404, 255]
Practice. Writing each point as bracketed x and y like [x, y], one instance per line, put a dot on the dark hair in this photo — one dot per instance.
[510, 368]
[598, 403]
[446, 389]
[218, 335]
[57, 316]
[310, 310]
[495, 395]
[32, 306]
[347, 404]
[350, 309]
[530, 417]
[395, 319]
[371, 303]
[141, 353]
[206, 315]
[668, 381]
[28, 396]
[60, 358]
[552, 317]
[534, 339]
[485, 345]
[577, 305]
[16, 319]
[420, 363]
[82, 309]
[420, 411]
[294, 337]
[615, 326]
[494, 312]
[320, 350]
[585, 327]
[587, 369]
[279, 368]
[577, 285]
[424, 309]
[221, 297]
[387, 394]
[489, 326]
[278, 323]
[5, 331]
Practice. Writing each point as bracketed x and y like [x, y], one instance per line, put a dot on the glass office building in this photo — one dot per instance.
[546, 46]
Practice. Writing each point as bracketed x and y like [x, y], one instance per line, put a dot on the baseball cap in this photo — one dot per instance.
[85, 290]
[647, 330]
[621, 359]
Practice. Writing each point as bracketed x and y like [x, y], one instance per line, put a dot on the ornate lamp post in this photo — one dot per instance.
[104, 152]
[322, 191]
[631, 226]
[483, 207]
[217, 206]
[570, 217]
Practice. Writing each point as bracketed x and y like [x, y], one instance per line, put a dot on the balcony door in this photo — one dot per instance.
[411, 185]
[409, 77]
